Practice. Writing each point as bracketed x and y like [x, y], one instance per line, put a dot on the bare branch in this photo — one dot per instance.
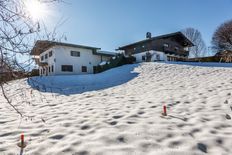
[17, 35]
[9, 102]
[222, 38]
[194, 35]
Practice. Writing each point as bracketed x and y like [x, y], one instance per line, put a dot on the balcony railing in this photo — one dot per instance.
[176, 52]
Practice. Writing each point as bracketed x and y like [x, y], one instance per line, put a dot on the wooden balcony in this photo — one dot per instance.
[176, 52]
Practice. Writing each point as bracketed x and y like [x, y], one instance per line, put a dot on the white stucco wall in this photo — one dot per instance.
[62, 56]
[49, 60]
[162, 56]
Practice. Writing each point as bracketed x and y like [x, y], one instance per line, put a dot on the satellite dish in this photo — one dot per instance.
[148, 35]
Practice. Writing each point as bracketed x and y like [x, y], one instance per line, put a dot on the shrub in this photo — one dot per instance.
[205, 59]
[34, 72]
[119, 60]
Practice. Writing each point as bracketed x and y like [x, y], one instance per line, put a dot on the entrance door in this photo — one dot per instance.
[46, 70]
[94, 69]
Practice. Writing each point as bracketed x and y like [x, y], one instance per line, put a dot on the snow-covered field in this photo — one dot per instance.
[118, 112]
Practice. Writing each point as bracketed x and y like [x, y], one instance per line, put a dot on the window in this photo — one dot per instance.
[158, 57]
[49, 69]
[94, 69]
[52, 68]
[84, 69]
[75, 53]
[66, 68]
[166, 45]
[143, 57]
[50, 54]
[42, 58]
[176, 48]
[46, 56]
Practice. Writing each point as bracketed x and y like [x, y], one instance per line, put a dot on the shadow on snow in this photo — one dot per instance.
[76, 84]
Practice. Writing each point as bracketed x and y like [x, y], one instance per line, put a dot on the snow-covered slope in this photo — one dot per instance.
[72, 84]
[119, 112]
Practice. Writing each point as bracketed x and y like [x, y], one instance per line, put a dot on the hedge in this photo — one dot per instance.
[119, 60]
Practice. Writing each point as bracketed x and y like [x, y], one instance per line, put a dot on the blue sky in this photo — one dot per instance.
[112, 23]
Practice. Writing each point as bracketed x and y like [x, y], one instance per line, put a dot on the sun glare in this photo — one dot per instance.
[35, 9]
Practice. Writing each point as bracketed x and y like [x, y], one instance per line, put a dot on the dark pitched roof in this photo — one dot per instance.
[42, 45]
[175, 34]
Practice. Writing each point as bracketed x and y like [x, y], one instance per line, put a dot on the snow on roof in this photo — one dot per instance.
[103, 63]
[106, 53]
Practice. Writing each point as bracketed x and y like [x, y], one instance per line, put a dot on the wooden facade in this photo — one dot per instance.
[173, 45]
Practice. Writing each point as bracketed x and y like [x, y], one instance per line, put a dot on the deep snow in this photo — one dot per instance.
[119, 112]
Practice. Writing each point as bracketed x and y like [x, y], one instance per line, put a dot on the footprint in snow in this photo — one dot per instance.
[85, 127]
[121, 139]
[228, 116]
[117, 116]
[202, 147]
[113, 123]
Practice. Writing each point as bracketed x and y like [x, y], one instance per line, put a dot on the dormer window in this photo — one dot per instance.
[46, 56]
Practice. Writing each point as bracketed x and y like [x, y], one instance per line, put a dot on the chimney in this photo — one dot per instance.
[148, 35]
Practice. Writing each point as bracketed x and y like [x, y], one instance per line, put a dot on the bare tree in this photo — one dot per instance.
[200, 49]
[222, 37]
[18, 32]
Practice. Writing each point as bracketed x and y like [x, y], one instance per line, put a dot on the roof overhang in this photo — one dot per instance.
[177, 35]
[43, 45]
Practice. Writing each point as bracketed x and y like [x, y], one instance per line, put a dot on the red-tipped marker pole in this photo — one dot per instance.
[164, 110]
[22, 143]
[22, 139]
